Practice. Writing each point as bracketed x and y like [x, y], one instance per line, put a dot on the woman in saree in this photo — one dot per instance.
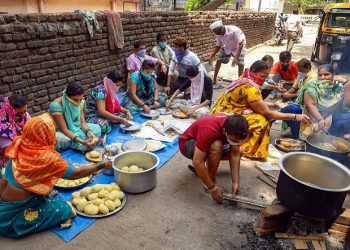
[201, 93]
[143, 94]
[327, 102]
[13, 116]
[243, 96]
[72, 129]
[30, 175]
[103, 107]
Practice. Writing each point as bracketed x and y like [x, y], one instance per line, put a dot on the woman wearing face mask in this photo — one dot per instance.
[135, 60]
[103, 107]
[13, 116]
[143, 94]
[201, 94]
[182, 59]
[163, 52]
[243, 96]
[72, 129]
[327, 102]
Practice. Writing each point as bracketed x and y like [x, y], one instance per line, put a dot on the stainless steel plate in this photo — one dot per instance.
[102, 215]
[133, 128]
[164, 111]
[134, 145]
[284, 149]
[153, 115]
[74, 187]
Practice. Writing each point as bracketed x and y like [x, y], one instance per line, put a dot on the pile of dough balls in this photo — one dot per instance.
[132, 169]
[94, 154]
[72, 183]
[98, 199]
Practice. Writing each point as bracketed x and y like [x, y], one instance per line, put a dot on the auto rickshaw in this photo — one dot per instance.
[332, 43]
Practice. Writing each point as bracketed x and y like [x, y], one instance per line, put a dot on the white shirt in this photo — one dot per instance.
[191, 59]
[294, 23]
[231, 40]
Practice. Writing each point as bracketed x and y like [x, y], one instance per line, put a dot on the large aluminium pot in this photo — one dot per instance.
[313, 185]
[138, 182]
[314, 145]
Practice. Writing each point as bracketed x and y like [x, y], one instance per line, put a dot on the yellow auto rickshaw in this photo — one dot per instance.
[332, 43]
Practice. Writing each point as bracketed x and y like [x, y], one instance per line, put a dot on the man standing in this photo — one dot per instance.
[211, 139]
[231, 40]
[135, 60]
[163, 52]
[294, 23]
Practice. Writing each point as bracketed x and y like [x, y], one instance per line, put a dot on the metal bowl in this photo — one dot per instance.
[140, 181]
[313, 184]
[134, 145]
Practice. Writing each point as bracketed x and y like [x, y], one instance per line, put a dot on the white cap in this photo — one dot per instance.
[216, 24]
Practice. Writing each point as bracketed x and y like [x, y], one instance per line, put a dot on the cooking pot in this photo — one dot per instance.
[136, 182]
[313, 185]
[314, 145]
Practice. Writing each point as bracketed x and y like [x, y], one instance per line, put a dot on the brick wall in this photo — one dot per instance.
[41, 53]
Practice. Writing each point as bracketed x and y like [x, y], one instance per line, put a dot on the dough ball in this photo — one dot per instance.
[103, 209]
[103, 193]
[76, 194]
[110, 205]
[120, 195]
[96, 188]
[75, 201]
[141, 169]
[115, 186]
[92, 197]
[81, 204]
[94, 154]
[117, 203]
[109, 187]
[91, 209]
[133, 168]
[97, 202]
[125, 169]
[85, 192]
[111, 196]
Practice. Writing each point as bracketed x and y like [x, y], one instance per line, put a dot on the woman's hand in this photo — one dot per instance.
[322, 124]
[146, 109]
[280, 89]
[89, 143]
[217, 195]
[168, 104]
[190, 111]
[108, 164]
[235, 189]
[128, 115]
[156, 104]
[167, 90]
[302, 118]
[164, 69]
[90, 135]
[125, 122]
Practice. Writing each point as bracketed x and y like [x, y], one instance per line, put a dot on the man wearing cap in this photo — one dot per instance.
[231, 40]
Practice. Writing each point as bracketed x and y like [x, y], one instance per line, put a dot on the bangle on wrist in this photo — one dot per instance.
[100, 165]
[295, 117]
[75, 138]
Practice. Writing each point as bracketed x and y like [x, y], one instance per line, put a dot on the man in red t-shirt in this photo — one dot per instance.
[211, 139]
[285, 71]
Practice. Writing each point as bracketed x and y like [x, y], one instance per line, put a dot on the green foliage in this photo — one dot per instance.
[304, 3]
[196, 4]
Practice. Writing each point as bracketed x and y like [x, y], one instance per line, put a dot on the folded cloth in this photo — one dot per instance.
[90, 21]
[115, 30]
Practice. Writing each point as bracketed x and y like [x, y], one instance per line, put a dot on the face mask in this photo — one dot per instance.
[285, 66]
[301, 75]
[162, 45]
[233, 143]
[146, 76]
[179, 55]
[141, 53]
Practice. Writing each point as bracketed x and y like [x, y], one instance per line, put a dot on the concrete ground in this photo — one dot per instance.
[177, 214]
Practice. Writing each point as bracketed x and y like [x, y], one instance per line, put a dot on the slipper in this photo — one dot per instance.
[191, 168]
[218, 86]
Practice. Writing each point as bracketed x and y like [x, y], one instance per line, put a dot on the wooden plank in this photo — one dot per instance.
[300, 244]
[302, 237]
[316, 244]
[340, 228]
[344, 218]
[323, 245]
[267, 182]
[338, 235]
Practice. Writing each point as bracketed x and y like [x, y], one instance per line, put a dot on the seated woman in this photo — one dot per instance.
[72, 130]
[143, 94]
[103, 107]
[243, 96]
[201, 93]
[30, 175]
[327, 102]
[13, 116]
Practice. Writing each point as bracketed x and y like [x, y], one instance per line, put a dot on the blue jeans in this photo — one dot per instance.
[294, 125]
[340, 124]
